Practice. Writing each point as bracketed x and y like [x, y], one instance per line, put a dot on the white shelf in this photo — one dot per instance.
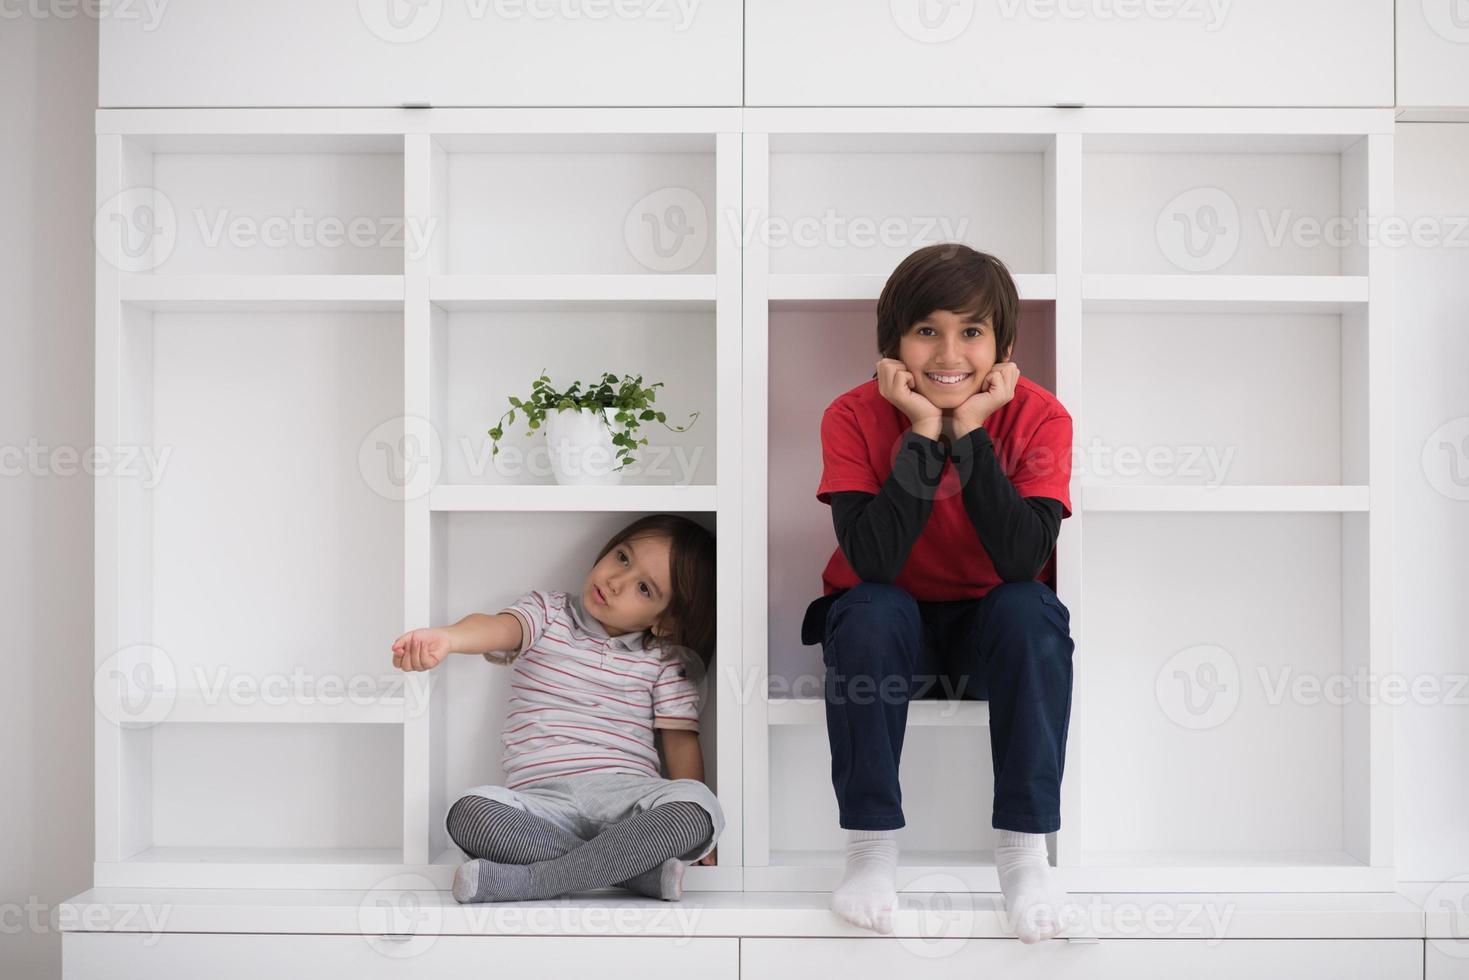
[751, 913]
[1218, 859]
[345, 707]
[920, 870]
[271, 855]
[1170, 499]
[1227, 871]
[837, 288]
[594, 499]
[820, 870]
[697, 877]
[252, 867]
[957, 714]
[1221, 293]
[262, 292]
[542, 292]
[1038, 188]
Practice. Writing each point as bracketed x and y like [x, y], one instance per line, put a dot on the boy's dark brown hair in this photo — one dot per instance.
[688, 621]
[948, 276]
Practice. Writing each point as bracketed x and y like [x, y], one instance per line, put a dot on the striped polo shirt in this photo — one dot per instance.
[582, 701]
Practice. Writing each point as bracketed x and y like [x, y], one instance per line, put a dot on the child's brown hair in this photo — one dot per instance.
[688, 621]
[948, 276]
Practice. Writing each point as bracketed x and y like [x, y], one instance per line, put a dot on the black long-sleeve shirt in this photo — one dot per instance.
[876, 532]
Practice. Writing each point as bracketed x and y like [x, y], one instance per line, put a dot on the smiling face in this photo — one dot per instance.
[629, 588]
[948, 356]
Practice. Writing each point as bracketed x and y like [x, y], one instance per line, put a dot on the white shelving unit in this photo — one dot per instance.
[1151, 341]
[368, 377]
[329, 483]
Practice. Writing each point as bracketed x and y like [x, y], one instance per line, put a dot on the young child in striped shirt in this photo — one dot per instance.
[597, 679]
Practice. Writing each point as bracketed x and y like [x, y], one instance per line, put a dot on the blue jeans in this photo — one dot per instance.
[883, 648]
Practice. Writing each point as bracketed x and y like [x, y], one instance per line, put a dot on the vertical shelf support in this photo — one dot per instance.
[1064, 164]
[727, 686]
[1379, 424]
[754, 684]
[419, 822]
[109, 785]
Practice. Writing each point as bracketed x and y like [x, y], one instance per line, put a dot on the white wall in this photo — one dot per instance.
[1431, 513]
[48, 72]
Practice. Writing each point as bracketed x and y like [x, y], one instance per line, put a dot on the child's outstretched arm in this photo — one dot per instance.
[685, 760]
[425, 648]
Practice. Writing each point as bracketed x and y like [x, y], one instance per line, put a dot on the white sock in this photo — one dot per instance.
[1034, 907]
[868, 893]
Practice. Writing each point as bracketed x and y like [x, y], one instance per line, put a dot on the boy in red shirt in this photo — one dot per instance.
[948, 477]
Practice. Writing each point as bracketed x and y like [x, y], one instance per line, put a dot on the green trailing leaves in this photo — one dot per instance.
[628, 397]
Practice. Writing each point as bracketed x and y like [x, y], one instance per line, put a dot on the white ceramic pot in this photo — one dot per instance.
[580, 445]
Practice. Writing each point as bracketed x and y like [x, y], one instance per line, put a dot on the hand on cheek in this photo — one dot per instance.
[899, 387]
[996, 389]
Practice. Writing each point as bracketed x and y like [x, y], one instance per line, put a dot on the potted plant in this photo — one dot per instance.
[591, 433]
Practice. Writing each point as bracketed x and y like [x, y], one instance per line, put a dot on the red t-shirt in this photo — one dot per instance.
[860, 435]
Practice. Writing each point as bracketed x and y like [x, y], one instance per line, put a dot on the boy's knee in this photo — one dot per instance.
[875, 609]
[881, 594]
[1030, 607]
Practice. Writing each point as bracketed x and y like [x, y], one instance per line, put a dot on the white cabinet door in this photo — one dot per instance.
[1446, 959]
[1045, 52]
[1111, 959]
[186, 956]
[1433, 53]
[446, 52]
